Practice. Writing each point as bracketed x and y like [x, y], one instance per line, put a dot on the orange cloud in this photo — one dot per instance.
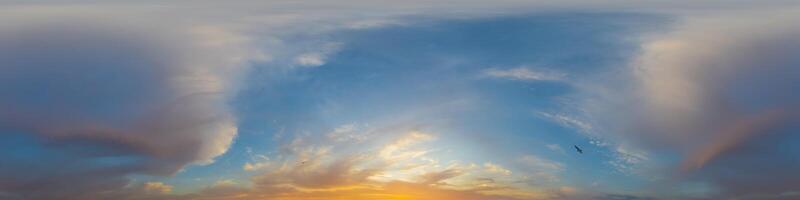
[329, 169]
[398, 169]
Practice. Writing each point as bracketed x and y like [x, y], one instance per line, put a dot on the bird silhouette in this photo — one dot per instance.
[578, 149]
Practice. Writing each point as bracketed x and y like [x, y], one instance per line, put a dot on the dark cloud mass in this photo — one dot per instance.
[103, 99]
[721, 91]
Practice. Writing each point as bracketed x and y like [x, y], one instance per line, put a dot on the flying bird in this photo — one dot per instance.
[578, 149]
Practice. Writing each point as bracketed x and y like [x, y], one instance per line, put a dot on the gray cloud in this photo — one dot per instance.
[111, 97]
[720, 90]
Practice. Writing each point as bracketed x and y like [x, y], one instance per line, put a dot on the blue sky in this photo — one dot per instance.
[425, 100]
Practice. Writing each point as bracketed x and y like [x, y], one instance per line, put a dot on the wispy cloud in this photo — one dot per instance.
[495, 168]
[540, 163]
[317, 57]
[569, 122]
[525, 74]
[627, 161]
[556, 148]
[157, 187]
[329, 168]
[538, 168]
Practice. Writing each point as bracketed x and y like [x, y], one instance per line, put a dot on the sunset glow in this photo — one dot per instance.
[399, 100]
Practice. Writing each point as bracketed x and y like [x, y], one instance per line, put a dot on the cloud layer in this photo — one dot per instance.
[312, 167]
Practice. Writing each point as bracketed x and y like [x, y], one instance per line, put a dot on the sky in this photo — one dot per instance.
[399, 100]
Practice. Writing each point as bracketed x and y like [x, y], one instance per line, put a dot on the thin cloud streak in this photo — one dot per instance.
[525, 74]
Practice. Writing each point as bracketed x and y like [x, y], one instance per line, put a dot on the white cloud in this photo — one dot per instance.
[400, 149]
[255, 166]
[537, 163]
[525, 74]
[628, 161]
[373, 23]
[555, 148]
[350, 132]
[539, 170]
[317, 57]
[310, 59]
[631, 157]
[568, 121]
[495, 168]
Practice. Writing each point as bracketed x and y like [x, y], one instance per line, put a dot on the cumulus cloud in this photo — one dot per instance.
[719, 81]
[113, 96]
[711, 76]
[715, 88]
